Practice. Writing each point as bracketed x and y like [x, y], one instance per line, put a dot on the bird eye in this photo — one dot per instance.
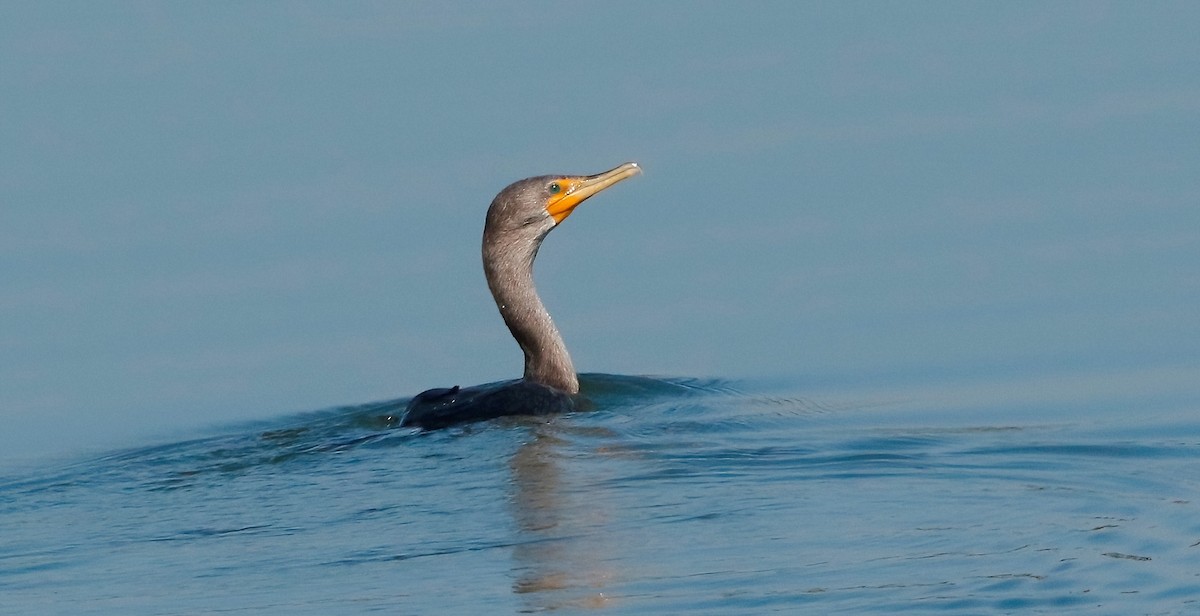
[555, 188]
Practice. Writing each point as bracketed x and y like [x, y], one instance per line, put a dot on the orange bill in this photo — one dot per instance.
[574, 190]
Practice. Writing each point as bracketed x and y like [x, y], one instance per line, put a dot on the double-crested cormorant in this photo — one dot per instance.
[517, 222]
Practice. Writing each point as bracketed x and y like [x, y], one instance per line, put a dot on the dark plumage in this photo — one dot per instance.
[518, 220]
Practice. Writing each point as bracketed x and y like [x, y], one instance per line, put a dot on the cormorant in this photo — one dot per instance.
[518, 220]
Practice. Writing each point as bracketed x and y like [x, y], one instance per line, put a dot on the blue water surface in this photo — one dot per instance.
[673, 496]
[962, 235]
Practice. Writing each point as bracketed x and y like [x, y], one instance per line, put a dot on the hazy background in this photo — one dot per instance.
[218, 211]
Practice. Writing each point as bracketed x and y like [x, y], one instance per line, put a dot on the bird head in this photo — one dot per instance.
[533, 206]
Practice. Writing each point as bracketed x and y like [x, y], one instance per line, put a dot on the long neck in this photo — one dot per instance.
[509, 271]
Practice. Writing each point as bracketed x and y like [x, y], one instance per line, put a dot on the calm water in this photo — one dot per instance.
[674, 495]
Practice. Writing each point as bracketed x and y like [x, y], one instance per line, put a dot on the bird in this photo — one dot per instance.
[519, 218]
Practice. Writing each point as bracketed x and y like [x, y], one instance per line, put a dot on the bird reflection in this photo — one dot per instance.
[560, 559]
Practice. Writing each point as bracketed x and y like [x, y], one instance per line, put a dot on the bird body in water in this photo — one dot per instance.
[518, 220]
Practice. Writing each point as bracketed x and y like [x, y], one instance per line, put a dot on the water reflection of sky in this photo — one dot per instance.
[212, 214]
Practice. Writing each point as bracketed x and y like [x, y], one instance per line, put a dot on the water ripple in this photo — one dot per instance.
[673, 495]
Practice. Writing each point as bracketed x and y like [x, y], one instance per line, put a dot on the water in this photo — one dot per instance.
[675, 495]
